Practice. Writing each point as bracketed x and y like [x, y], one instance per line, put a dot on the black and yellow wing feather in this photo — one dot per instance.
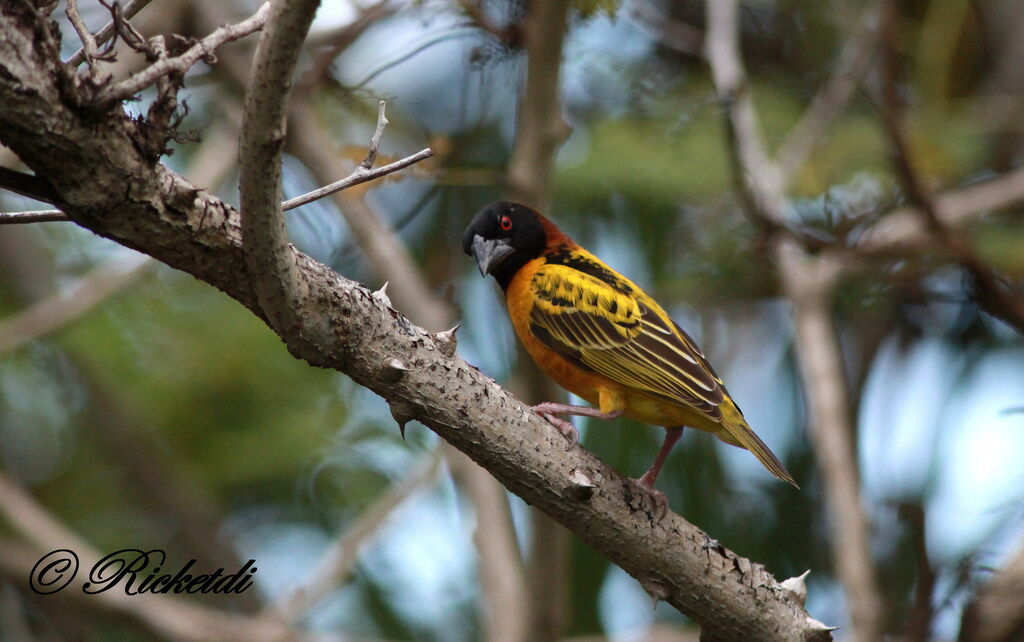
[604, 323]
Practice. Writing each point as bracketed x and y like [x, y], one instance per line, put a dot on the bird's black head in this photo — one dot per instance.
[503, 237]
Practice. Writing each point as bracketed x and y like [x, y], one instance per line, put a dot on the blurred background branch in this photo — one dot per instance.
[809, 283]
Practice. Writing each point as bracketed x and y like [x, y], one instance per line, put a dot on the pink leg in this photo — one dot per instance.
[646, 481]
[549, 410]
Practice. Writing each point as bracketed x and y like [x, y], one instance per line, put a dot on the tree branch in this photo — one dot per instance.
[990, 293]
[357, 177]
[499, 560]
[125, 89]
[541, 128]
[831, 100]
[129, 10]
[26, 185]
[270, 259]
[954, 209]
[88, 41]
[808, 281]
[360, 175]
[34, 216]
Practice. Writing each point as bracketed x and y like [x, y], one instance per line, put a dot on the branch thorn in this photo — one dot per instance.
[382, 294]
[394, 369]
[797, 586]
[446, 341]
[402, 412]
[581, 486]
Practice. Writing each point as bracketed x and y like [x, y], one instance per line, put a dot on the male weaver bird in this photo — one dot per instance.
[602, 338]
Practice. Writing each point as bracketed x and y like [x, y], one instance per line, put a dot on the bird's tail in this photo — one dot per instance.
[735, 431]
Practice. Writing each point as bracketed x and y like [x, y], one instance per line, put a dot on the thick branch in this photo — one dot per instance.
[105, 184]
[271, 262]
[499, 560]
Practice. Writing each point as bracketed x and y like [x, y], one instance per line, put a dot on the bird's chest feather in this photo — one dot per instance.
[520, 297]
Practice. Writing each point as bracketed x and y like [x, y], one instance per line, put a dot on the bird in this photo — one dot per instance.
[602, 338]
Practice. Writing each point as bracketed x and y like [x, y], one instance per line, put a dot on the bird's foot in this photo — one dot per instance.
[660, 500]
[565, 428]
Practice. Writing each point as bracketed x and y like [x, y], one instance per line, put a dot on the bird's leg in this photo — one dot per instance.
[549, 410]
[646, 481]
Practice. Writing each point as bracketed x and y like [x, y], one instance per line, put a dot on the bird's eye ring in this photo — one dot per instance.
[505, 223]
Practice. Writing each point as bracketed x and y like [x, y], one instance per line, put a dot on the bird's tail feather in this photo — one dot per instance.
[736, 432]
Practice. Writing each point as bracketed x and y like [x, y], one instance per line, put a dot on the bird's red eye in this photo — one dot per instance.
[505, 223]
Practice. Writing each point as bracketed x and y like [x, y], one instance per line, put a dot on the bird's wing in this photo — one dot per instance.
[603, 323]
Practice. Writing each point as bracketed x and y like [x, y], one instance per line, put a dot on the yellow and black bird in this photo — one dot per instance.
[603, 338]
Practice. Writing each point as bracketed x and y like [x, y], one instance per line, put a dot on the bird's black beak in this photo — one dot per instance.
[490, 253]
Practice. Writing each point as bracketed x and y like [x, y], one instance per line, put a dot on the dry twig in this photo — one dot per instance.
[121, 14]
[203, 49]
[88, 41]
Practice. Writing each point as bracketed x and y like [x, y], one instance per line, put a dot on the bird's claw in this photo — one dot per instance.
[658, 497]
[564, 428]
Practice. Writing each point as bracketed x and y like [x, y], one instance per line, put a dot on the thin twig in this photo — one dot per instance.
[34, 216]
[88, 41]
[360, 175]
[371, 153]
[128, 11]
[182, 63]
